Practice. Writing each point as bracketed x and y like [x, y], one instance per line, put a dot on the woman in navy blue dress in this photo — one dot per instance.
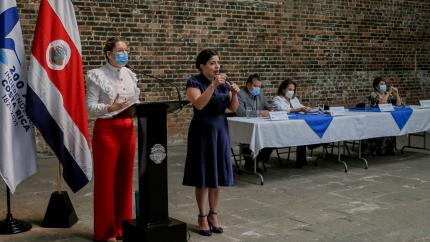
[208, 164]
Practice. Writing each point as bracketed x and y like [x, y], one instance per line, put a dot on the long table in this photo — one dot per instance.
[262, 132]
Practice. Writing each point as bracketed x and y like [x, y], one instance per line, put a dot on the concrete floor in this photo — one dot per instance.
[388, 202]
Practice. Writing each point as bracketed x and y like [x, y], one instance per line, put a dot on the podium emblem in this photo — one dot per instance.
[158, 154]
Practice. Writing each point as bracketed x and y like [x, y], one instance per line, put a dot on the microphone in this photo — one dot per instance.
[228, 82]
[164, 83]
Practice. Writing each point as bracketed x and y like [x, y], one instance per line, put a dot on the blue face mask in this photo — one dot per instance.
[383, 88]
[121, 58]
[255, 91]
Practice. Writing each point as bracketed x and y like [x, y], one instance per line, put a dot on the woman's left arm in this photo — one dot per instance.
[395, 91]
[398, 99]
[234, 101]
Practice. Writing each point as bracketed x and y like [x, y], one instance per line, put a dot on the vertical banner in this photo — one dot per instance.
[56, 90]
[17, 144]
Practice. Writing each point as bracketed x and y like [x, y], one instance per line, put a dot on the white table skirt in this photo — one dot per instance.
[262, 132]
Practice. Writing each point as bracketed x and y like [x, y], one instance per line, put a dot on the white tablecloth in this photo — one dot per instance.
[262, 132]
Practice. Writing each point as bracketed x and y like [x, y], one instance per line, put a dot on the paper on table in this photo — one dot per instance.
[314, 110]
[278, 115]
[337, 111]
[386, 107]
[425, 103]
[295, 103]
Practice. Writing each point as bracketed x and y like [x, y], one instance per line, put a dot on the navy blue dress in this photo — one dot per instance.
[208, 162]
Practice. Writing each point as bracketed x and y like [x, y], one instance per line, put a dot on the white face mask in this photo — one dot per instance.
[289, 94]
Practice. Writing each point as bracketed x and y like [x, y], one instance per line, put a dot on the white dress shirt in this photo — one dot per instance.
[105, 84]
[280, 103]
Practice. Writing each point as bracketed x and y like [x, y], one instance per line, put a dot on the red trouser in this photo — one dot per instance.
[113, 152]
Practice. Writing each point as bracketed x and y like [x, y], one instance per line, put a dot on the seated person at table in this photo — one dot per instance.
[382, 95]
[287, 99]
[251, 97]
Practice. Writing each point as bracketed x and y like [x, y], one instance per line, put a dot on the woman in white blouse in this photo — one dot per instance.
[287, 100]
[111, 89]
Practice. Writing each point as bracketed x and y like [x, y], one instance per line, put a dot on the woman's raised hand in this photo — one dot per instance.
[219, 79]
[234, 88]
[393, 90]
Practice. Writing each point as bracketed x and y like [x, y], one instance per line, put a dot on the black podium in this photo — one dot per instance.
[153, 223]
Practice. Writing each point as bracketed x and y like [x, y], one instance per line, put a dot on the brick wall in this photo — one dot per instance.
[332, 48]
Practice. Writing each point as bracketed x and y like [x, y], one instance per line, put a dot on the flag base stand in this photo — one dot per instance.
[60, 212]
[13, 226]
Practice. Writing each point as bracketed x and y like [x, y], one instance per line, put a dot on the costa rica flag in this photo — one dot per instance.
[56, 90]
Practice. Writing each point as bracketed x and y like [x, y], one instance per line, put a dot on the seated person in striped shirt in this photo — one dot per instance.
[382, 94]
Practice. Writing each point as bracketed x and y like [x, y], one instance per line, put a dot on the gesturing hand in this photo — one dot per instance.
[264, 113]
[219, 79]
[234, 88]
[117, 105]
[305, 109]
[393, 90]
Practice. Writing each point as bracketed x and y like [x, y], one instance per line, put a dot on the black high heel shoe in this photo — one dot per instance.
[217, 230]
[204, 232]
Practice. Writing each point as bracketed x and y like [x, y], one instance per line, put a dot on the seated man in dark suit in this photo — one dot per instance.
[253, 102]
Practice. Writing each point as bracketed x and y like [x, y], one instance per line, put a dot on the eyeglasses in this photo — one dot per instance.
[119, 51]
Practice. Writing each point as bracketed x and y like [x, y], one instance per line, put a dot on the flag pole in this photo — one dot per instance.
[59, 177]
[11, 225]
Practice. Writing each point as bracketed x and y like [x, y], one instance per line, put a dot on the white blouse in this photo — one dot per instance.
[280, 103]
[104, 84]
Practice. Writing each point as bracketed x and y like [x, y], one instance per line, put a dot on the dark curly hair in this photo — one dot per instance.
[376, 82]
[204, 56]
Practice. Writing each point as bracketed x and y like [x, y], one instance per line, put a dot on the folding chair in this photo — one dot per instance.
[279, 153]
[409, 145]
